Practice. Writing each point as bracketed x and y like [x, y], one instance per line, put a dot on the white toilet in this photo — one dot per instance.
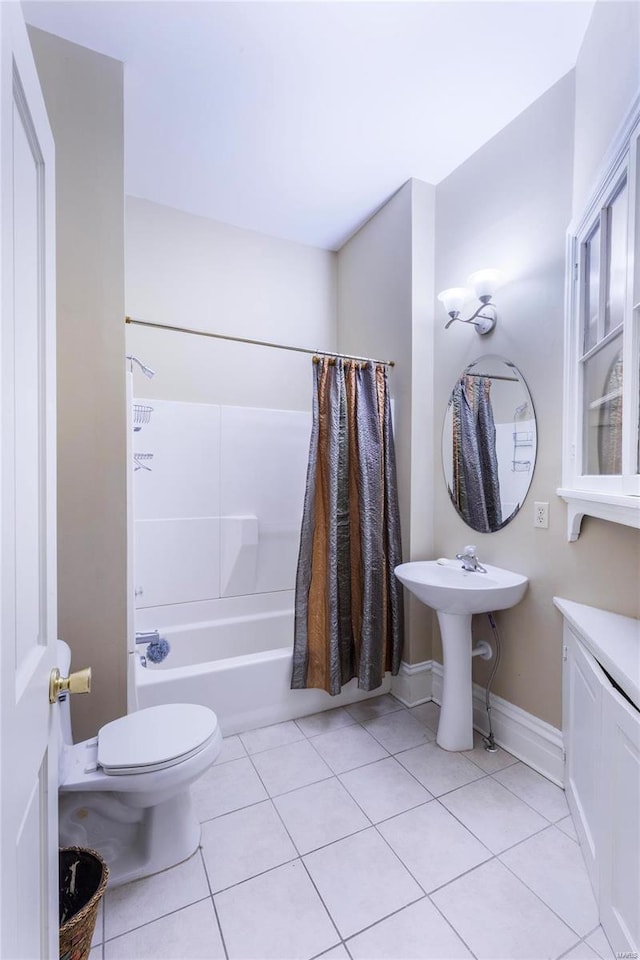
[125, 793]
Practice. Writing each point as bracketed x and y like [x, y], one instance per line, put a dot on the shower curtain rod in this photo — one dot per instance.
[491, 376]
[257, 343]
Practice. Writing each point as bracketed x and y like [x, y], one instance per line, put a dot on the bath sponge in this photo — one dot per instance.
[158, 650]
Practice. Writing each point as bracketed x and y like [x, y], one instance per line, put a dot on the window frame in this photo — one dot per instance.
[614, 497]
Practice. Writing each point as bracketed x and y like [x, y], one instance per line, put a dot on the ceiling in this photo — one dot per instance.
[299, 119]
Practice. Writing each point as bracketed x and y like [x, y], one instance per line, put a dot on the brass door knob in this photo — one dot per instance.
[78, 682]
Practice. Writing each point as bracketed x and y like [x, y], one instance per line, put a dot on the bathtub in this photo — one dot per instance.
[239, 666]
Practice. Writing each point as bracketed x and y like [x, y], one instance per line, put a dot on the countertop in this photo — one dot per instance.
[613, 640]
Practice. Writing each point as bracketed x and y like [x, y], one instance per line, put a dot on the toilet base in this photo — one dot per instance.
[135, 841]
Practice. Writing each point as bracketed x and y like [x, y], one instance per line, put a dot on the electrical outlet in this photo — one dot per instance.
[541, 515]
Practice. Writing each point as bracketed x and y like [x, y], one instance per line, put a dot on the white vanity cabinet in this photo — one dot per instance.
[582, 683]
[620, 860]
[601, 728]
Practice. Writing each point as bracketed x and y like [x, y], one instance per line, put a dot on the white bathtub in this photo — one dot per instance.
[240, 666]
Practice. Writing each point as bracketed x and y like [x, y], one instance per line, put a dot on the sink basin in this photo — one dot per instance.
[456, 594]
[450, 589]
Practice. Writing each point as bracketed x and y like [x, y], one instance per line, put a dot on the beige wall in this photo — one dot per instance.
[508, 206]
[190, 271]
[607, 80]
[384, 298]
[83, 92]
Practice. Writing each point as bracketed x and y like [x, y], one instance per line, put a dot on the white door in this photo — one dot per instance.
[28, 755]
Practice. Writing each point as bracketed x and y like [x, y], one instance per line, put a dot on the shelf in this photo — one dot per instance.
[600, 402]
[617, 508]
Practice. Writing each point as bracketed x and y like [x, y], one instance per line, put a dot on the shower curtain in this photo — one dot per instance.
[476, 487]
[349, 606]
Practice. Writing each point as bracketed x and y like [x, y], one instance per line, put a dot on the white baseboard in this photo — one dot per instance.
[528, 738]
[413, 683]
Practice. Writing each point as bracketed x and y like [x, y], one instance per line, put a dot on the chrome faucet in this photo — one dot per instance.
[470, 561]
[147, 636]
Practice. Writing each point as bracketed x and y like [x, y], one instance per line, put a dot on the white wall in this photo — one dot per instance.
[385, 289]
[607, 80]
[189, 271]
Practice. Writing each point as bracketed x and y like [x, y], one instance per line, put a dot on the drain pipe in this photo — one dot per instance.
[482, 649]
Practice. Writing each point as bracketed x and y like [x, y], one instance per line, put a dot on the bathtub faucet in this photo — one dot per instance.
[147, 636]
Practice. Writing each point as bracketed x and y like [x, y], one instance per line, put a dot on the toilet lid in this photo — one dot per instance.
[155, 738]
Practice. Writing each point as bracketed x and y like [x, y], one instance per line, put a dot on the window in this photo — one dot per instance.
[601, 465]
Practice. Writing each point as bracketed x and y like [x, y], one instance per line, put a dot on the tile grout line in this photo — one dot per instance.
[538, 897]
[424, 896]
[530, 805]
[317, 956]
[320, 897]
[427, 894]
[300, 858]
[370, 824]
[336, 773]
[399, 858]
[304, 866]
[389, 756]
[388, 916]
[254, 876]
[596, 951]
[485, 775]
[572, 947]
[342, 726]
[169, 913]
[447, 921]
[400, 813]
[484, 844]
[403, 864]
[213, 902]
[494, 856]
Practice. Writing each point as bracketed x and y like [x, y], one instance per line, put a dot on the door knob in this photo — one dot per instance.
[78, 682]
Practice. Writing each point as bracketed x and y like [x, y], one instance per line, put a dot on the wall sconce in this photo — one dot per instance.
[484, 283]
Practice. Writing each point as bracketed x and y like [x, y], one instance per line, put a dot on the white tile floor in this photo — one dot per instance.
[350, 834]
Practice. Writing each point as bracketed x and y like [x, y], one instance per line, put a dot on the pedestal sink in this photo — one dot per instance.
[456, 594]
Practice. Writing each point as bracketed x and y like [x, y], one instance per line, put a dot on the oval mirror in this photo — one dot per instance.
[489, 443]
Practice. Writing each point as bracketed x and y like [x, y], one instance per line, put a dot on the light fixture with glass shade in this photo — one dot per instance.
[483, 284]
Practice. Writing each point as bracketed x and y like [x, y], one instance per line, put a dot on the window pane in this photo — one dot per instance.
[592, 288]
[603, 410]
[617, 272]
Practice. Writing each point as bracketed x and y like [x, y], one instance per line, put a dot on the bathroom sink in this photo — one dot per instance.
[449, 589]
[456, 594]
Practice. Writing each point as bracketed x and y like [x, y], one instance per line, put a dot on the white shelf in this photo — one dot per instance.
[606, 506]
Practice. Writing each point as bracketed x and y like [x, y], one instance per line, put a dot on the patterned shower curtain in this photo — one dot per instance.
[476, 488]
[349, 607]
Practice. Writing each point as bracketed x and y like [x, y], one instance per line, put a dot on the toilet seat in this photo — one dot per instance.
[155, 738]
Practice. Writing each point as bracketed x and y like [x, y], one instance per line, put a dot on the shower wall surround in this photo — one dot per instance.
[218, 513]
[515, 453]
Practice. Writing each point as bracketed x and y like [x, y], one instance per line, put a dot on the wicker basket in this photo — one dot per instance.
[83, 878]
